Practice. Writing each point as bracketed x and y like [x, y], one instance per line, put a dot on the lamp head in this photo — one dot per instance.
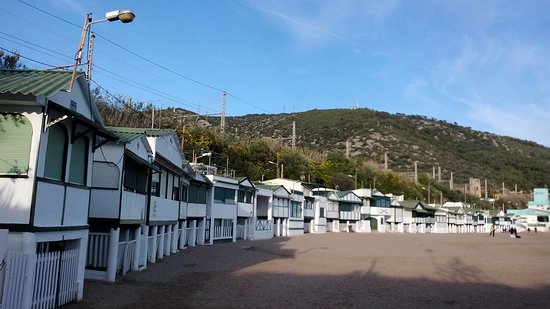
[125, 16]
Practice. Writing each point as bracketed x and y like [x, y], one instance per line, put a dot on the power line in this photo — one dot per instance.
[33, 44]
[48, 13]
[27, 58]
[150, 61]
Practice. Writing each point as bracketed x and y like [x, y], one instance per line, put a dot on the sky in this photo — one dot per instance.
[481, 64]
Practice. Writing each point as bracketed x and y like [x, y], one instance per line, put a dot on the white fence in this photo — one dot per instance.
[125, 256]
[223, 231]
[263, 225]
[54, 283]
[98, 248]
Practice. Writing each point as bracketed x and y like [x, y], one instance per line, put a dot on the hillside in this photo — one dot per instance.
[363, 133]
[406, 139]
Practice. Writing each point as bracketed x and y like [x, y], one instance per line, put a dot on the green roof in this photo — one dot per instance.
[128, 134]
[34, 82]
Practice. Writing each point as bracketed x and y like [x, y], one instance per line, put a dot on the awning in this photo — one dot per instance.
[140, 160]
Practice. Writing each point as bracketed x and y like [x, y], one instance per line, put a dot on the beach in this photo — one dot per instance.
[335, 270]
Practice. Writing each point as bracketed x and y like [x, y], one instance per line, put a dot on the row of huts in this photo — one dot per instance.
[79, 200]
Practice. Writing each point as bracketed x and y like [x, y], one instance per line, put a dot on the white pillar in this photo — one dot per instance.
[193, 236]
[29, 248]
[137, 237]
[112, 254]
[145, 229]
[183, 235]
[168, 240]
[246, 228]
[153, 249]
[234, 221]
[160, 251]
[175, 237]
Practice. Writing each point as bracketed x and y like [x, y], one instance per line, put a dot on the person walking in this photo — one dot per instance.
[493, 228]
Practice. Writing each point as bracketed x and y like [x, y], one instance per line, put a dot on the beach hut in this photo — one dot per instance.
[48, 135]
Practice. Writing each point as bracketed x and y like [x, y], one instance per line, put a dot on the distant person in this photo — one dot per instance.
[528, 230]
[535, 230]
[493, 228]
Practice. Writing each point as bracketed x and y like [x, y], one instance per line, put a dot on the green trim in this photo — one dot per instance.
[154, 223]
[35, 229]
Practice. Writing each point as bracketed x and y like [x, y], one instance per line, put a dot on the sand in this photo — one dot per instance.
[341, 270]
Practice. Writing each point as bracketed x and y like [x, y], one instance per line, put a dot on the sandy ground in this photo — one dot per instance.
[340, 270]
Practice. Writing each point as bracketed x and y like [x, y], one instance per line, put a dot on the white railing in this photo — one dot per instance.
[223, 231]
[68, 287]
[263, 225]
[98, 248]
[54, 281]
[240, 231]
[200, 235]
[14, 280]
[188, 240]
[125, 256]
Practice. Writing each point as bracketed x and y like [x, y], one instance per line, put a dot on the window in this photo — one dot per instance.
[78, 171]
[197, 194]
[155, 184]
[184, 191]
[224, 195]
[55, 152]
[321, 212]
[176, 189]
[135, 176]
[346, 207]
[295, 209]
[105, 175]
[15, 142]
[245, 197]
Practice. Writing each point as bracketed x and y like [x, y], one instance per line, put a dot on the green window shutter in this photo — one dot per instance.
[55, 152]
[15, 142]
[79, 161]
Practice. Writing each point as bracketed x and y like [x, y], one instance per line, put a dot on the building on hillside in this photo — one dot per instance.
[474, 187]
[540, 199]
[48, 136]
[536, 215]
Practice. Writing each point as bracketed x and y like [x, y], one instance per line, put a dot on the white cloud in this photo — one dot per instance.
[319, 21]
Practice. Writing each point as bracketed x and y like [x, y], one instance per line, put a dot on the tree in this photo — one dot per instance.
[10, 61]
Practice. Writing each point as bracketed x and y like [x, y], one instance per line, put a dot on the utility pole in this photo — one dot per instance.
[451, 182]
[385, 161]
[347, 148]
[293, 134]
[222, 118]
[486, 194]
[415, 171]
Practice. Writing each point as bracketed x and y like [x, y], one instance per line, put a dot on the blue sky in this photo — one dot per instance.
[481, 64]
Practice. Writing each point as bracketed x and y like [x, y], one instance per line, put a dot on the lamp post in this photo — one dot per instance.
[354, 178]
[277, 164]
[125, 16]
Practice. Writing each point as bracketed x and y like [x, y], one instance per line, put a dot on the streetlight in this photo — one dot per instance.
[354, 178]
[277, 164]
[125, 16]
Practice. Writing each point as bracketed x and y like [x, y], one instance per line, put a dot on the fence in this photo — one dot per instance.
[263, 225]
[55, 279]
[125, 256]
[98, 248]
